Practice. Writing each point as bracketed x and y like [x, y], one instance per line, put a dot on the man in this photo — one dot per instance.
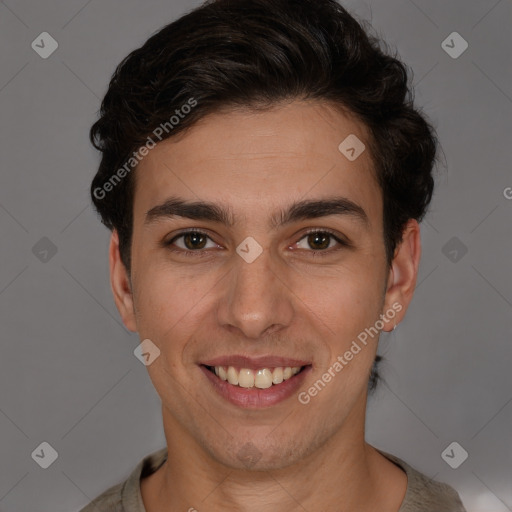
[263, 174]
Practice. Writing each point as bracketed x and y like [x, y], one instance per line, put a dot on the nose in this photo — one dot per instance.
[256, 301]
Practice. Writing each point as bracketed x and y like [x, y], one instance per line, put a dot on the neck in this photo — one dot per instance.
[343, 474]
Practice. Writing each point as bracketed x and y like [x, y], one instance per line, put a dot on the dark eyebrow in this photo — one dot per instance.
[302, 210]
[315, 208]
[197, 210]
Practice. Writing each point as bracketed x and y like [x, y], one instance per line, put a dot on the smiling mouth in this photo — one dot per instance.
[262, 378]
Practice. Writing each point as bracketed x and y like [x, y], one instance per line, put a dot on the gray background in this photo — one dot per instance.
[68, 375]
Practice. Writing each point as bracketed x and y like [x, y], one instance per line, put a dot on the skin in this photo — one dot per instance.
[287, 302]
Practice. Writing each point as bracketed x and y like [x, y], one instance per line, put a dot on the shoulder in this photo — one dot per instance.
[110, 500]
[424, 494]
[126, 496]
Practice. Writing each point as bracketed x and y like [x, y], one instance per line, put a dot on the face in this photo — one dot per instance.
[257, 252]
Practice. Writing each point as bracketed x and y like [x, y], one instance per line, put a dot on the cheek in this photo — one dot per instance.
[345, 313]
[167, 299]
[343, 301]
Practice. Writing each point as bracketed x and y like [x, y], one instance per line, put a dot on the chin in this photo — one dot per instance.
[253, 454]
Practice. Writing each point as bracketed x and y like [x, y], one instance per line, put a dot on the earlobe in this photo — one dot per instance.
[120, 284]
[403, 273]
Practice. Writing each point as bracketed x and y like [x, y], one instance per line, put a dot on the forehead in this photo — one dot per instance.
[255, 161]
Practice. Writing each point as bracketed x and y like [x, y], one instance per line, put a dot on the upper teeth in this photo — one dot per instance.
[263, 378]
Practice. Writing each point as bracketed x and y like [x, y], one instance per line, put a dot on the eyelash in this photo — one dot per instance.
[203, 253]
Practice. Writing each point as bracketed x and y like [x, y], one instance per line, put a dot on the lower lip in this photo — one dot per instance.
[255, 398]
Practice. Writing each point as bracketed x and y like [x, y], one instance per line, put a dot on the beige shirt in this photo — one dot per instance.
[423, 494]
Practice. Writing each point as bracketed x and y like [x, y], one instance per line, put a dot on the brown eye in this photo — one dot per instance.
[194, 240]
[191, 241]
[319, 240]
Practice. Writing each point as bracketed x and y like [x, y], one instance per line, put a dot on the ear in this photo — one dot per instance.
[403, 273]
[121, 285]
